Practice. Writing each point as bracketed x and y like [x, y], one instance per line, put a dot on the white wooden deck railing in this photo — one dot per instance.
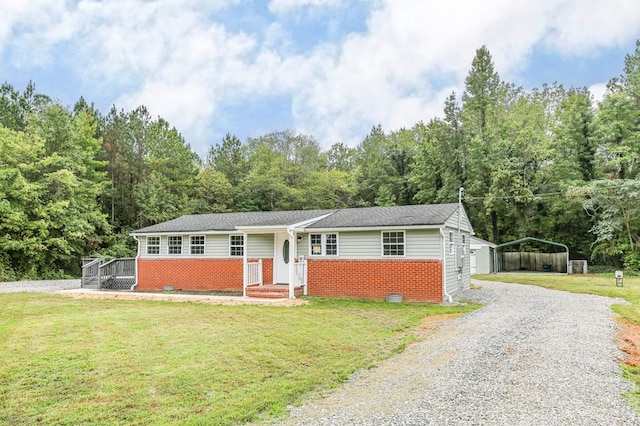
[300, 268]
[91, 272]
[254, 273]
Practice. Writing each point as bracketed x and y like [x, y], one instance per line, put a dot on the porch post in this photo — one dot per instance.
[292, 266]
[244, 264]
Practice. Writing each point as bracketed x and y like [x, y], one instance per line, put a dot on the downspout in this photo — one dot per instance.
[444, 268]
[135, 284]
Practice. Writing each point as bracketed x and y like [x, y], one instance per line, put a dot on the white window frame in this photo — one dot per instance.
[172, 247]
[403, 244]
[201, 246]
[464, 243]
[323, 244]
[154, 245]
[239, 248]
[452, 243]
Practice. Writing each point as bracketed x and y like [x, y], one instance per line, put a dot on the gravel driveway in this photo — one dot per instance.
[530, 357]
[50, 285]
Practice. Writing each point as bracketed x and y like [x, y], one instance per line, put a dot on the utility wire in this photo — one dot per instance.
[509, 197]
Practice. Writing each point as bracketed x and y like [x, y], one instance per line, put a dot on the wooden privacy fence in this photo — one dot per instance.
[528, 261]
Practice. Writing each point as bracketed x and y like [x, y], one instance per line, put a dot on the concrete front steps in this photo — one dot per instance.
[272, 291]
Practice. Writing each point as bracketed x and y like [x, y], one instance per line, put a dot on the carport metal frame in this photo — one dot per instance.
[524, 240]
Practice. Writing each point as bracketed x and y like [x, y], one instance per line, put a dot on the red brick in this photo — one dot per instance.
[417, 280]
[196, 274]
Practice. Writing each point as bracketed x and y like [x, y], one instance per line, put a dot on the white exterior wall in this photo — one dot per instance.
[260, 245]
[452, 281]
[423, 243]
[302, 245]
[452, 222]
[216, 245]
[419, 244]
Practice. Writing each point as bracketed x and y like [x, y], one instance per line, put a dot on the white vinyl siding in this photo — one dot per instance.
[217, 245]
[360, 244]
[260, 245]
[303, 245]
[453, 284]
[423, 243]
[452, 222]
[419, 244]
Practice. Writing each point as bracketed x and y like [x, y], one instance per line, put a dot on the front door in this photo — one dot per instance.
[281, 261]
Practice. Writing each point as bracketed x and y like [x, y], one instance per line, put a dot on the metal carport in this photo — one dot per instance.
[497, 264]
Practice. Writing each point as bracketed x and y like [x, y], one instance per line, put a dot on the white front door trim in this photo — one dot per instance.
[280, 266]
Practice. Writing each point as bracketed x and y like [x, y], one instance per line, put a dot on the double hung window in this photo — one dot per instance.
[196, 245]
[236, 245]
[175, 244]
[323, 244]
[153, 245]
[393, 243]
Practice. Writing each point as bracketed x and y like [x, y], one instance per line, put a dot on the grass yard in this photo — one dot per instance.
[78, 361]
[599, 284]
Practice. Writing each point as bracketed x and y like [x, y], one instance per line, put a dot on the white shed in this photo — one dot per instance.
[481, 256]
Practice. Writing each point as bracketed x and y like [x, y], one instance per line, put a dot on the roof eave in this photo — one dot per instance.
[371, 228]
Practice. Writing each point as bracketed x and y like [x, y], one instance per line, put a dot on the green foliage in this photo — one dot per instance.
[615, 206]
[531, 162]
[50, 184]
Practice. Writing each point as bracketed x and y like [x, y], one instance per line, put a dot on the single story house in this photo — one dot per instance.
[411, 253]
[481, 256]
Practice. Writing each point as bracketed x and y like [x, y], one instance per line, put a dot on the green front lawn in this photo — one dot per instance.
[70, 361]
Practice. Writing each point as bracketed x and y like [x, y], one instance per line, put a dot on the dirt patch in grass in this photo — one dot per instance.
[432, 322]
[629, 336]
[214, 300]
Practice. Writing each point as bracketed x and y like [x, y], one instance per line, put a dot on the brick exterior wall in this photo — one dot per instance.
[196, 274]
[417, 280]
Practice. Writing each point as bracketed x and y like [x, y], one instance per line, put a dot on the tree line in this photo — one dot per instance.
[545, 163]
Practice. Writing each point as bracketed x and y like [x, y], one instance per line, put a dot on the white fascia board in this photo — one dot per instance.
[305, 223]
[368, 228]
[261, 229]
[155, 234]
[298, 226]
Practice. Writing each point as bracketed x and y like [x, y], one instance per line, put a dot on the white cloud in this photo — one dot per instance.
[284, 6]
[185, 64]
[598, 91]
[579, 26]
[384, 76]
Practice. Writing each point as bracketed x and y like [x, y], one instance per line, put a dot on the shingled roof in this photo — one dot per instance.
[434, 214]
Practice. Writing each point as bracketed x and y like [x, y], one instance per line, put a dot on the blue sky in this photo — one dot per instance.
[327, 68]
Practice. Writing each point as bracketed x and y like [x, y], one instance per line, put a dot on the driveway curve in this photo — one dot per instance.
[530, 356]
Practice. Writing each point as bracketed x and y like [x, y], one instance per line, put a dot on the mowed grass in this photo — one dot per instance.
[71, 361]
